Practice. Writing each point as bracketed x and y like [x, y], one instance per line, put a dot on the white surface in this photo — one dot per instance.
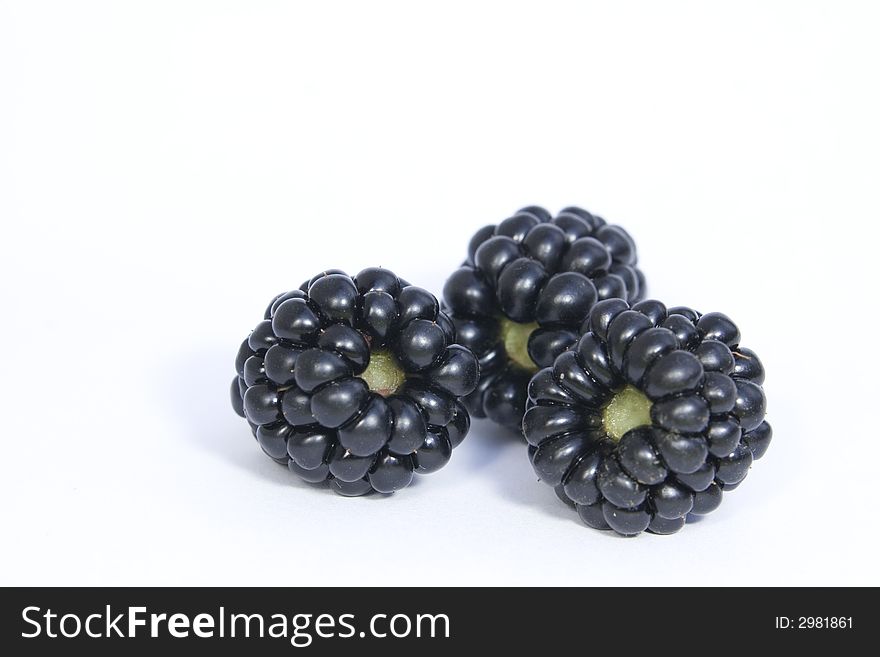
[165, 168]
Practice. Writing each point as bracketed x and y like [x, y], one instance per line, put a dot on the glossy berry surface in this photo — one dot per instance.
[649, 418]
[356, 381]
[526, 287]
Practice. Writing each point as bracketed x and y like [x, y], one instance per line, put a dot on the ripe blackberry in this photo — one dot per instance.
[355, 381]
[649, 418]
[527, 285]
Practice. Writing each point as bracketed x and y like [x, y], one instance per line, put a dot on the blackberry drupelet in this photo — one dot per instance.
[520, 297]
[356, 381]
[650, 418]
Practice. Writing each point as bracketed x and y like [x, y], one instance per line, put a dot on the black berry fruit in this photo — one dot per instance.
[520, 297]
[356, 381]
[649, 418]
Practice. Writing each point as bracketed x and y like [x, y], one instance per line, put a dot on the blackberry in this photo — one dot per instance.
[527, 285]
[649, 418]
[356, 381]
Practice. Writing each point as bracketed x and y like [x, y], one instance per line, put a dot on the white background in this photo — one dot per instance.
[167, 167]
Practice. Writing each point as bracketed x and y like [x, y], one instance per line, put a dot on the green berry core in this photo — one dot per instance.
[383, 375]
[515, 337]
[629, 408]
